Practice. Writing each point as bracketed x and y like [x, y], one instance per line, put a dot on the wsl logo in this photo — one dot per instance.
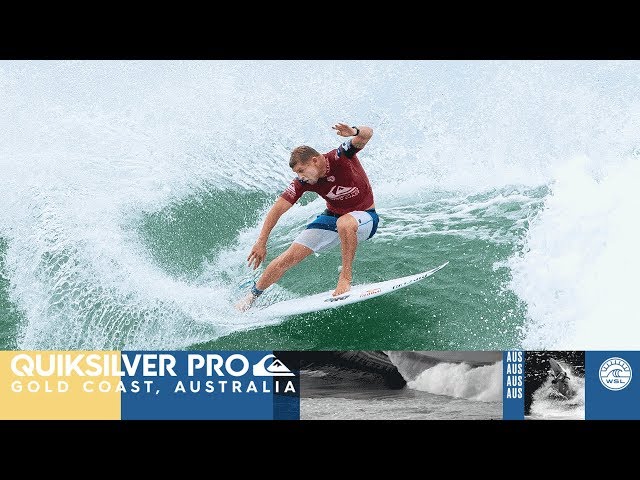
[615, 373]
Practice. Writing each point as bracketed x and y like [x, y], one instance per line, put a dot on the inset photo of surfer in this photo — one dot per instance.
[554, 385]
[399, 385]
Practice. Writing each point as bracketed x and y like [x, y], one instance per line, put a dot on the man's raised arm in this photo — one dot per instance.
[361, 135]
[364, 133]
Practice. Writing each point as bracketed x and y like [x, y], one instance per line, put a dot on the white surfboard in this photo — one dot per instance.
[555, 366]
[325, 300]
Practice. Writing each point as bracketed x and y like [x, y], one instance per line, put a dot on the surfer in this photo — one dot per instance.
[561, 377]
[560, 381]
[350, 216]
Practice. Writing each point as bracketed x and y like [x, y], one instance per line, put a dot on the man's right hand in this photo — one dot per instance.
[258, 254]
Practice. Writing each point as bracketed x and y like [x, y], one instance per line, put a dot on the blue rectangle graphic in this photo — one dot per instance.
[208, 385]
[513, 385]
[612, 392]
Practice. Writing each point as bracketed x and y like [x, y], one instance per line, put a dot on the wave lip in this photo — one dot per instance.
[470, 375]
[576, 268]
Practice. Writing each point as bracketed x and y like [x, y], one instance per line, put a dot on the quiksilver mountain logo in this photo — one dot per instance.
[342, 193]
[275, 369]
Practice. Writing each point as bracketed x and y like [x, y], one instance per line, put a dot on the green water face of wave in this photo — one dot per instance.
[8, 315]
[462, 307]
[182, 235]
[465, 306]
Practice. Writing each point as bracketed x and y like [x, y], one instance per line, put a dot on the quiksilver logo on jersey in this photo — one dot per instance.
[342, 193]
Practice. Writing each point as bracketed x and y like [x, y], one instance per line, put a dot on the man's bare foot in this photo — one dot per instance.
[344, 285]
[245, 304]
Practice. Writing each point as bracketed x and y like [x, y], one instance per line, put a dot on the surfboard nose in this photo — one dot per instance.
[555, 366]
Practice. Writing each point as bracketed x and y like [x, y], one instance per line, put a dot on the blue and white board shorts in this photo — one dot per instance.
[322, 233]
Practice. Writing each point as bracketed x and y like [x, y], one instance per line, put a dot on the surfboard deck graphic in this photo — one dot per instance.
[325, 300]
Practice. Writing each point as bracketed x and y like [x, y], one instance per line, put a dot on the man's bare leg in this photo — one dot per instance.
[347, 229]
[275, 270]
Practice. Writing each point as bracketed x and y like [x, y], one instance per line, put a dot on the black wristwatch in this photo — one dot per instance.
[357, 131]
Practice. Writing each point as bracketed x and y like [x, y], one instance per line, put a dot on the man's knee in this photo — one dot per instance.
[291, 256]
[347, 223]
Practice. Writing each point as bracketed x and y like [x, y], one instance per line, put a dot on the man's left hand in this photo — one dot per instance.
[344, 130]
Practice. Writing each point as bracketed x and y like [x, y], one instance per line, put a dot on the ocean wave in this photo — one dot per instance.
[95, 154]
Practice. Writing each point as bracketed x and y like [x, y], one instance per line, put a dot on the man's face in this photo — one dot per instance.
[311, 171]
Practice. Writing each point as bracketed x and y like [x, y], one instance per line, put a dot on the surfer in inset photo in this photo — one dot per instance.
[554, 385]
[350, 216]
